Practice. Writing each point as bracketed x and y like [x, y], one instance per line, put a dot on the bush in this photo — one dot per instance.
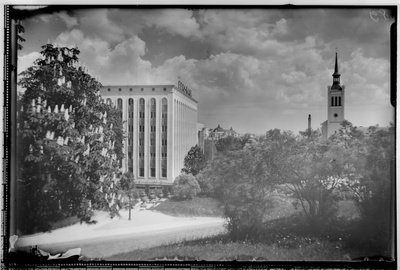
[206, 184]
[244, 208]
[185, 187]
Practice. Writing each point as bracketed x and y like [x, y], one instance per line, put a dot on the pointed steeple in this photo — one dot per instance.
[336, 76]
[336, 66]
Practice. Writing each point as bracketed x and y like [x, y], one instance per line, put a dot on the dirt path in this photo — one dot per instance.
[103, 247]
[109, 237]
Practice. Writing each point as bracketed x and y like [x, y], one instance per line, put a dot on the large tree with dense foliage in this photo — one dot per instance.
[243, 181]
[232, 143]
[194, 161]
[313, 169]
[69, 140]
[371, 180]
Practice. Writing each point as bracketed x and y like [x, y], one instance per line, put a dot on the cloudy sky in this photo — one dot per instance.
[250, 69]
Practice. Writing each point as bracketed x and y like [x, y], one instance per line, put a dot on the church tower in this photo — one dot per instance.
[336, 102]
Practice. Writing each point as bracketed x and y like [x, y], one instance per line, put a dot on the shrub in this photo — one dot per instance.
[206, 184]
[185, 187]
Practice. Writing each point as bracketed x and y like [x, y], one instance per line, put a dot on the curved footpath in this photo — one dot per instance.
[119, 235]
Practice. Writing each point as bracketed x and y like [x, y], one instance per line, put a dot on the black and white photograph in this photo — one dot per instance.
[207, 133]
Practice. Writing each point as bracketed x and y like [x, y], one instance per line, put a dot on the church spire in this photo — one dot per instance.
[336, 65]
[336, 76]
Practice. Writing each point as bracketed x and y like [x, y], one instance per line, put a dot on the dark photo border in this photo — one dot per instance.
[9, 164]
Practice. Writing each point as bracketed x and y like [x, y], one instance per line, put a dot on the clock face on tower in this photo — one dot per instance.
[335, 115]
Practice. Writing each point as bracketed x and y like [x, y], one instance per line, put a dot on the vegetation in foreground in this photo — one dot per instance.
[285, 239]
[215, 250]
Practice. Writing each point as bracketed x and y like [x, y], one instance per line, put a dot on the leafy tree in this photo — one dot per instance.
[126, 185]
[20, 30]
[370, 181]
[312, 169]
[310, 134]
[185, 187]
[232, 143]
[206, 185]
[194, 161]
[69, 140]
[242, 181]
[349, 137]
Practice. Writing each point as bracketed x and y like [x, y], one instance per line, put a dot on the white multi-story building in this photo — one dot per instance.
[160, 123]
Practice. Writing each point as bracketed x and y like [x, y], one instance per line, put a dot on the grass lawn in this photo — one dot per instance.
[197, 207]
[221, 248]
[280, 245]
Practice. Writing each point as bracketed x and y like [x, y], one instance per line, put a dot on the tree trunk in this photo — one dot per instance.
[130, 206]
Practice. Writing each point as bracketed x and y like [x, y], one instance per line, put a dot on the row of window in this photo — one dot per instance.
[152, 115]
[152, 171]
[152, 128]
[141, 89]
[152, 155]
[152, 142]
[336, 101]
[141, 102]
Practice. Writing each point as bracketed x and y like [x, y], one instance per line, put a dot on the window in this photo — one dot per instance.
[153, 172]
[340, 101]
[130, 89]
[164, 172]
[336, 102]
[152, 142]
[164, 142]
[332, 103]
[153, 128]
[141, 172]
[119, 89]
[109, 89]
[129, 155]
[119, 103]
[141, 142]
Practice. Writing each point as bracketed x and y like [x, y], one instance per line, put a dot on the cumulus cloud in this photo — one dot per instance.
[67, 19]
[26, 61]
[96, 24]
[177, 22]
[262, 61]
[121, 64]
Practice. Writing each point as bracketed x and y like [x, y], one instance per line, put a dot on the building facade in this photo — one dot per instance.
[219, 133]
[336, 105]
[160, 123]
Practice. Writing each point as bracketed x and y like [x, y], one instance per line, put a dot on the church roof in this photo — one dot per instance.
[218, 129]
[336, 87]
